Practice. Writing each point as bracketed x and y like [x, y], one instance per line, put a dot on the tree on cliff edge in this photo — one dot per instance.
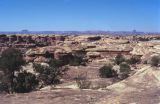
[11, 61]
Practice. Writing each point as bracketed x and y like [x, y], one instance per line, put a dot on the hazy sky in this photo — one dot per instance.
[55, 15]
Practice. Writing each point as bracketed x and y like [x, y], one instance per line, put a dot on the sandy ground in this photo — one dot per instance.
[58, 96]
[141, 88]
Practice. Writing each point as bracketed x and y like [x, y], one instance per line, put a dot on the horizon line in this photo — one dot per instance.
[26, 30]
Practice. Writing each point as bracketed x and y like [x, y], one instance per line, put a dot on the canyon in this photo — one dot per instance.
[141, 87]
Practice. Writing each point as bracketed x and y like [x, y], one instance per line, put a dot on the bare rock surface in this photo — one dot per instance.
[141, 88]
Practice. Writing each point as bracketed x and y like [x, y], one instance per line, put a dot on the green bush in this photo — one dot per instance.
[25, 82]
[56, 63]
[125, 68]
[76, 61]
[3, 83]
[51, 74]
[119, 59]
[11, 61]
[134, 60]
[3, 87]
[107, 72]
[155, 60]
[124, 71]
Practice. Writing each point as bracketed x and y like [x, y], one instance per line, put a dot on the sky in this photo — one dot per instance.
[80, 15]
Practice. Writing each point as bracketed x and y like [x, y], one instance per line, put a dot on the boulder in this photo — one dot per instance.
[41, 59]
[93, 54]
[36, 51]
[29, 59]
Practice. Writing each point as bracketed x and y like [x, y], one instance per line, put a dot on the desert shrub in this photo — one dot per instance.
[145, 62]
[3, 83]
[76, 61]
[48, 55]
[134, 60]
[143, 39]
[56, 63]
[155, 60]
[11, 61]
[3, 87]
[82, 82]
[124, 70]
[94, 38]
[106, 71]
[100, 85]
[38, 68]
[25, 82]
[119, 59]
[51, 74]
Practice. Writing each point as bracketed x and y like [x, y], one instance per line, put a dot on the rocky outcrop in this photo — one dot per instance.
[94, 38]
[143, 48]
[93, 54]
[45, 53]
[93, 46]
[139, 88]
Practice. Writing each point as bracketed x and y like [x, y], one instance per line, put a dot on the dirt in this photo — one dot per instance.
[58, 96]
[143, 87]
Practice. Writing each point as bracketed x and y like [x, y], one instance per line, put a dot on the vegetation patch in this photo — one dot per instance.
[49, 75]
[155, 61]
[82, 82]
[124, 71]
[25, 82]
[134, 60]
[119, 59]
[77, 60]
[107, 72]
[11, 61]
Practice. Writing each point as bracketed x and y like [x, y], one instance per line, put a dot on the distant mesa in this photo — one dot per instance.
[134, 31]
[25, 31]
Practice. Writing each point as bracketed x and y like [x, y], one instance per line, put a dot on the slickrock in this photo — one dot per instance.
[93, 54]
[139, 88]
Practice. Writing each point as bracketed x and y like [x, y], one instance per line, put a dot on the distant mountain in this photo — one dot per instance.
[83, 32]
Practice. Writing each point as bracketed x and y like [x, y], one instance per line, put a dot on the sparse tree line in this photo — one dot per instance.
[14, 79]
[124, 69]
[108, 71]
